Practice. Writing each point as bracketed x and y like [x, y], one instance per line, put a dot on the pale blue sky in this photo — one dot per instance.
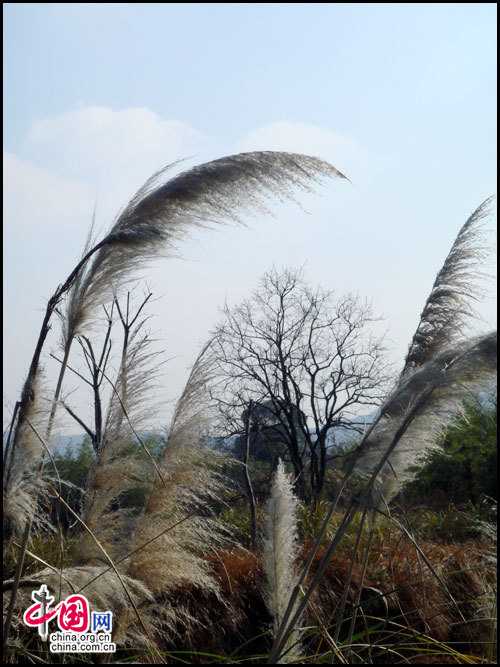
[403, 73]
[97, 97]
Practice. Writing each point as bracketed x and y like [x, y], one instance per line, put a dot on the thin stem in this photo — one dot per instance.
[17, 577]
[349, 578]
[27, 394]
[248, 481]
[366, 556]
[7, 450]
[57, 393]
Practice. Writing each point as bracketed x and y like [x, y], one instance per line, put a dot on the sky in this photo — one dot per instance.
[97, 97]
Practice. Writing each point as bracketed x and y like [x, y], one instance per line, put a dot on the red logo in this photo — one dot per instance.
[73, 613]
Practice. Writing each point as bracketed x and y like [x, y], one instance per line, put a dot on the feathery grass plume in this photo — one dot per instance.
[280, 554]
[421, 405]
[23, 483]
[67, 316]
[180, 503]
[162, 213]
[449, 307]
[122, 465]
[431, 358]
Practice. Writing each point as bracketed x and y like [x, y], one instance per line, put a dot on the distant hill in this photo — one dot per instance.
[338, 438]
[68, 444]
[71, 444]
[63, 443]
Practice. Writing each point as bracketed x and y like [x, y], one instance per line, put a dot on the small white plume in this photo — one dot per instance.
[280, 554]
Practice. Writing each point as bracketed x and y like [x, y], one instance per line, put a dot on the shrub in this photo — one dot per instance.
[464, 467]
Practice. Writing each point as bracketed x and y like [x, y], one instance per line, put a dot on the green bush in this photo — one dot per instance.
[464, 467]
[450, 524]
[237, 519]
[73, 468]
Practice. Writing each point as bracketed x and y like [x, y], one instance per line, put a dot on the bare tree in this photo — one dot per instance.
[306, 356]
[119, 466]
[96, 366]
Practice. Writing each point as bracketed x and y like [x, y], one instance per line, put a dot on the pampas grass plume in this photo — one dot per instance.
[280, 553]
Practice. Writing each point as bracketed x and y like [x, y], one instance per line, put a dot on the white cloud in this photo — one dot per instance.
[37, 199]
[113, 151]
[45, 221]
[96, 137]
